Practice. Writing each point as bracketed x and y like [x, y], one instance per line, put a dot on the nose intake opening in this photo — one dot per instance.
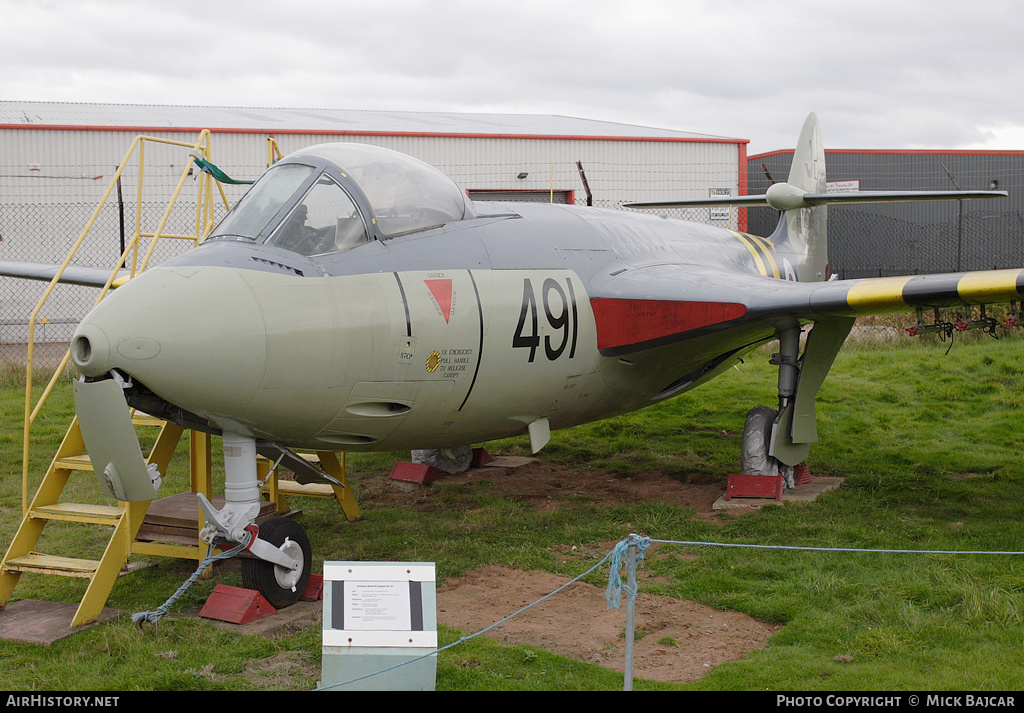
[81, 350]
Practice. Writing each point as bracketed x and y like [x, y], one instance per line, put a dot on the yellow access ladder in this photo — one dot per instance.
[125, 519]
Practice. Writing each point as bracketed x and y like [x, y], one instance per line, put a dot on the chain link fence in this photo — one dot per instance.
[44, 233]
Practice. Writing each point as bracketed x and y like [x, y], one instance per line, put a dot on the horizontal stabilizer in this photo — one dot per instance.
[783, 196]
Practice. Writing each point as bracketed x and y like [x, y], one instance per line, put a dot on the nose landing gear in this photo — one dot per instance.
[278, 559]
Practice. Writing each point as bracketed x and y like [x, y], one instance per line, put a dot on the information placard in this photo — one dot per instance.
[380, 604]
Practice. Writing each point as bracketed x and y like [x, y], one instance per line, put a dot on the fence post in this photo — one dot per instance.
[631, 554]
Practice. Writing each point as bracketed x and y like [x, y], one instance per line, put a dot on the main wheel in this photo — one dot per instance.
[456, 459]
[757, 435]
[280, 586]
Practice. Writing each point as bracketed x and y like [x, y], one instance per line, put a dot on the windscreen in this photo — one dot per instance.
[253, 213]
[324, 221]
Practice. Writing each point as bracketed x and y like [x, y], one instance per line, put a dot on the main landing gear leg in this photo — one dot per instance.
[760, 427]
[776, 440]
[280, 563]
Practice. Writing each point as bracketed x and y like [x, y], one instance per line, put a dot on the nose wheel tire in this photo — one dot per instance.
[279, 585]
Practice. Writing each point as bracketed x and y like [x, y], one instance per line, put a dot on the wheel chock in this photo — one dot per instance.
[314, 589]
[415, 473]
[754, 486]
[236, 605]
[480, 458]
[802, 474]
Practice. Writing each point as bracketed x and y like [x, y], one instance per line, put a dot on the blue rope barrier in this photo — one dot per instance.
[836, 549]
[152, 617]
[618, 557]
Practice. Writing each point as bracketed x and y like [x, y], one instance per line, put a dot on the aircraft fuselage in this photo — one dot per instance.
[461, 334]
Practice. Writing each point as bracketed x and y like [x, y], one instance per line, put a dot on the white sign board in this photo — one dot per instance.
[720, 212]
[850, 186]
[377, 604]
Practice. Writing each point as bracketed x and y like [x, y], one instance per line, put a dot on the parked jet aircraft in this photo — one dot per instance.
[354, 299]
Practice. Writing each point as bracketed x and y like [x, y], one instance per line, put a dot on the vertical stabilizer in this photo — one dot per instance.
[803, 231]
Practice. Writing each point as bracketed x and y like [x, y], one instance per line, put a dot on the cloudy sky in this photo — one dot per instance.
[880, 74]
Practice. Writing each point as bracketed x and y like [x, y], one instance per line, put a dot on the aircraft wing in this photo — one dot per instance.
[644, 307]
[72, 275]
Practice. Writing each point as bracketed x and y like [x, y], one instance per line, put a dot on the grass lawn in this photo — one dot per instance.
[929, 445]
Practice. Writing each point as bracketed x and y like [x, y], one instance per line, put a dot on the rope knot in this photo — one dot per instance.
[619, 557]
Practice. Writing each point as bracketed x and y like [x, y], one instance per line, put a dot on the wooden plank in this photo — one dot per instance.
[52, 564]
[80, 512]
[74, 463]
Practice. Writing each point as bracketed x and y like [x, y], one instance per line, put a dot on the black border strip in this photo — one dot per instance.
[480, 350]
[405, 303]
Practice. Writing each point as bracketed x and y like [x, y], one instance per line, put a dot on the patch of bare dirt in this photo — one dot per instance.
[548, 486]
[676, 640]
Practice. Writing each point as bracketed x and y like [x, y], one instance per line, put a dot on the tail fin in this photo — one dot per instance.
[803, 230]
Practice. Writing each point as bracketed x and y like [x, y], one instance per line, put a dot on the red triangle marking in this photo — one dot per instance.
[442, 292]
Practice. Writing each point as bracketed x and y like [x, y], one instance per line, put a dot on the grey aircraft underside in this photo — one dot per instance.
[354, 299]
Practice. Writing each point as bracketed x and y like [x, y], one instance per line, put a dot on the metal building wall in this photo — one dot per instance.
[75, 165]
[913, 238]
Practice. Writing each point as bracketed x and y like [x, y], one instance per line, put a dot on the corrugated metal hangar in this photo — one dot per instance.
[57, 159]
[54, 144]
[878, 240]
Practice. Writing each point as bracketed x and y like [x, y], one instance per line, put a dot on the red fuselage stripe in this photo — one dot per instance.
[624, 322]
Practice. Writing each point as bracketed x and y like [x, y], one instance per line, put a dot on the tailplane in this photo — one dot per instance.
[802, 232]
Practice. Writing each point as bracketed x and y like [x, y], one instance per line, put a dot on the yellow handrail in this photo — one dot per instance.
[273, 150]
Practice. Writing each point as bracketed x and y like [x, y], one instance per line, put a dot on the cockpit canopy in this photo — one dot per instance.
[333, 197]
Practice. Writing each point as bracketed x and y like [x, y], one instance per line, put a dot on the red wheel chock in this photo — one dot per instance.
[415, 473]
[754, 486]
[236, 605]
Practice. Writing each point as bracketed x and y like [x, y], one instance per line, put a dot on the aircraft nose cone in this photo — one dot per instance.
[90, 350]
[194, 336]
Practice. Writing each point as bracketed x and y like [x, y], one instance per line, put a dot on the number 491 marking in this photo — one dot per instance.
[563, 317]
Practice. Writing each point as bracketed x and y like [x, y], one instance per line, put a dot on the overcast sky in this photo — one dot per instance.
[880, 74]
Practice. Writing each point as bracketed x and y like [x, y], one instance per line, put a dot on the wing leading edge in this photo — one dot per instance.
[71, 275]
